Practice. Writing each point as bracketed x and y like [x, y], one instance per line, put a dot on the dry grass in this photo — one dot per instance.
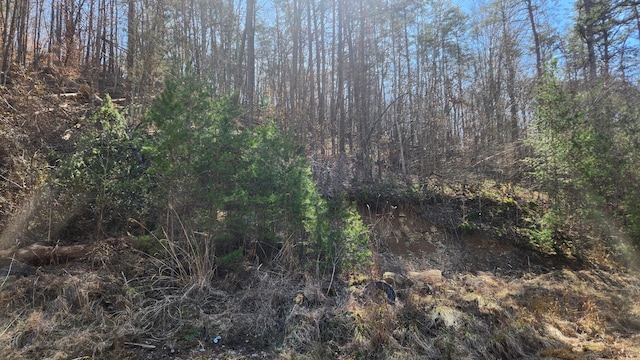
[122, 303]
[57, 315]
[72, 313]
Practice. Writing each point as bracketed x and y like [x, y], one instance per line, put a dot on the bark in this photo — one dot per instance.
[536, 39]
[251, 58]
[38, 254]
[7, 41]
[636, 13]
[590, 40]
[340, 84]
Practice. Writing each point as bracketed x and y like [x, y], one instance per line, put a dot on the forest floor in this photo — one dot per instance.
[490, 298]
[479, 290]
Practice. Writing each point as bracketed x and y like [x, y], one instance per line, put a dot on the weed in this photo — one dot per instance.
[231, 260]
[191, 334]
[149, 244]
[544, 234]
[467, 227]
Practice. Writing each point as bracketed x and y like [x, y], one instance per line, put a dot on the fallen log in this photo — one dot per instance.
[38, 254]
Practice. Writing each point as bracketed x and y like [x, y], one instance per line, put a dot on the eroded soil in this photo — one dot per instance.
[574, 311]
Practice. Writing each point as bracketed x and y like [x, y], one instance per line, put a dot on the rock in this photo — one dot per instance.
[310, 295]
[432, 276]
[427, 281]
[396, 280]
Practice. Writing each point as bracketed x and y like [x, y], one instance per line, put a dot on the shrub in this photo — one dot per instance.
[104, 175]
[586, 154]
[251, 190]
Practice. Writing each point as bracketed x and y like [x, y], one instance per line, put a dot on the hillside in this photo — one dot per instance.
[494, 299]
[480, 288]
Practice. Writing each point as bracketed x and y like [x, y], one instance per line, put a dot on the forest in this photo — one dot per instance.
[308, 179]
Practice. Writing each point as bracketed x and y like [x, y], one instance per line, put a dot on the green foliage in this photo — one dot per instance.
[231, 260]
[586, 154]
[544, 235]
[355, 240]
[556, 114]
[337, 237]
[467, 227]
[214, 188]
[106, 171]
[148, 243]
[192, 334]
[251, 190]
[193, 152]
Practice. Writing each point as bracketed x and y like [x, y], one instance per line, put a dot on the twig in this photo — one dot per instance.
[11, 323]
[66, 94]
[43, 111]
[8, 273]
[11, 181]
[9, 105]
[334, 263]
[144, 346]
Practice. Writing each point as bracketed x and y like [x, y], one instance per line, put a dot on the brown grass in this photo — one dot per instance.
[122, 303]
[70, 313]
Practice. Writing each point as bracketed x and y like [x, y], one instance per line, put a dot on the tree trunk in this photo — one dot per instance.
[7, 51]
[536, 39]
[251, 59]
[37, 254]
[340, 83]
[590, 40]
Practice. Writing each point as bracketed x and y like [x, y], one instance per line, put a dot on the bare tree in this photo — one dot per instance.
[536, 37]
[251, 58]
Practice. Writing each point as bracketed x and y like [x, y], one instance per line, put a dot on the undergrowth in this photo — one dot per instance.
[234, 253]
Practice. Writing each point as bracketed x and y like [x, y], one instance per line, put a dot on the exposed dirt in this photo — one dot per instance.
[407, 238]
[576, 312]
